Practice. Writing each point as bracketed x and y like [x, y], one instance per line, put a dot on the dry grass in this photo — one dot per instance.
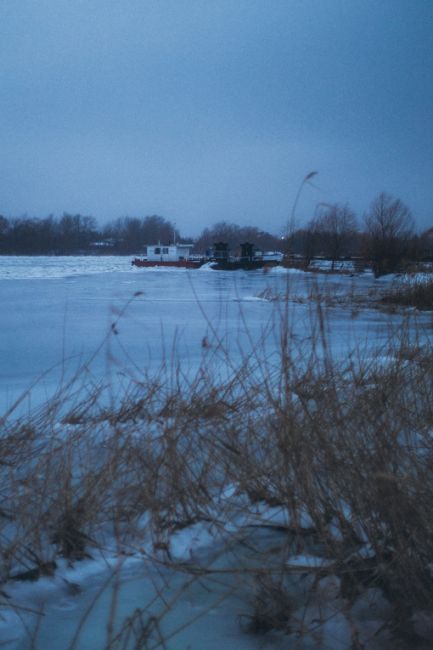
[411, 294]
[344, 449]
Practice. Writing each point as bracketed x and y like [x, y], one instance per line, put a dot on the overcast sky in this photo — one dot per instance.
[203, 110]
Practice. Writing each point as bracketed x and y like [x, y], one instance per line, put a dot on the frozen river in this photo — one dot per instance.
[110, 321]
[57, 313]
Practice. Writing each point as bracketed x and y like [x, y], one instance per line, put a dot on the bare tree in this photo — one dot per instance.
[424, 245]
[234, 235]
[389, 228]
[4, 227]
[335, 227]
[307, 240]
[133, 233]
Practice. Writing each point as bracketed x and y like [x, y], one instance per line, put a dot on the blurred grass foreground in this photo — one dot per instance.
[293, 488]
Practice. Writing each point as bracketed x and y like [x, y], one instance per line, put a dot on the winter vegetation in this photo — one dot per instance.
[416, 291]
[294, 486]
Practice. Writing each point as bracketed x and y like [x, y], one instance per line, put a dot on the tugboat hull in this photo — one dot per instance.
[178, 264]
[236, 265]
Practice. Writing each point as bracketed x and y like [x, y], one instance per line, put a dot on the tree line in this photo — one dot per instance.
[72, 234]
[385, 236]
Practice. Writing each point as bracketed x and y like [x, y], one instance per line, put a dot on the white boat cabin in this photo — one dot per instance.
[171, 253]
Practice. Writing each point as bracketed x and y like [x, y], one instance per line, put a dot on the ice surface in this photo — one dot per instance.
[55, 267]
[57, 314]
[307, 561]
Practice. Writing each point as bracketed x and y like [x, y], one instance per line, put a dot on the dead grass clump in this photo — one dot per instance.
[418, 294]
[334, 456]
[271, 607]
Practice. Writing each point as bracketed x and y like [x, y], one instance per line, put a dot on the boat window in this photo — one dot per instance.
[165, 251]
[157, 251]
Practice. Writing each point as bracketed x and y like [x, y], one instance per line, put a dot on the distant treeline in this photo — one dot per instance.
[75, 233]
[385, 236]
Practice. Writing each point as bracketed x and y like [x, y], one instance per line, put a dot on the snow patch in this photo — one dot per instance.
[185, 543]
[308, 561]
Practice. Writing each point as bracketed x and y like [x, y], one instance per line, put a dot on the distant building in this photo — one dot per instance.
[104, 243]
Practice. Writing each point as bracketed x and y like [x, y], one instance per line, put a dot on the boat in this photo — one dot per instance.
[180, 256]
[173, 255]
[250, 258]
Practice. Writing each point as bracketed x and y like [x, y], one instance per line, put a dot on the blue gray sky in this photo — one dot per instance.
[204, 110]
